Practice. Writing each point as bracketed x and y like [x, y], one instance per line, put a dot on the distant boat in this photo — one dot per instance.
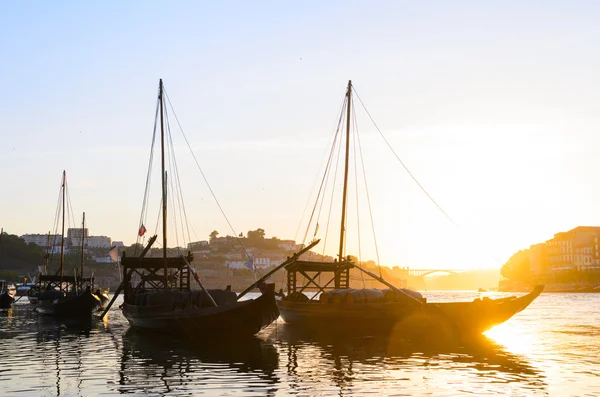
[158, 295]
[60, 295]
[340, 307]
[7, 295]
[481, 290]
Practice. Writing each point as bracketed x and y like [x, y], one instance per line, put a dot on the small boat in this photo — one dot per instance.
[60, 295]
[337, 306]
[158, 292]
[7, 295]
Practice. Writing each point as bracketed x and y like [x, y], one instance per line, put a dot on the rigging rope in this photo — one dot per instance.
[171, 179]
[354, 137]
[362, 162]
[235, 235]
[337, 163]
[56, 222]
[144, 212]
[329, 157]
[404, 165]
[324, 182]
[177, 181]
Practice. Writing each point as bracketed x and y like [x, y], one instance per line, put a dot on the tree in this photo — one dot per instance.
[213, 235]
[517, 267]
[258, 234]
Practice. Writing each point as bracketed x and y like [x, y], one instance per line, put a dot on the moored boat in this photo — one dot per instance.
[60, 295]
[334, 305]
[7, 296]
[158, 294]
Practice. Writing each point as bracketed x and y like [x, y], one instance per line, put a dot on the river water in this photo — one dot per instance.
[550, 349]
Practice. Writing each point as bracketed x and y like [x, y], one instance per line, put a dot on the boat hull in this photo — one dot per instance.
[80, 305]
[6, 300]
[242, 319]
[465, 317]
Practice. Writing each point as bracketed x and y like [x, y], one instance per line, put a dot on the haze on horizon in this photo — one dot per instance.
[493, 106]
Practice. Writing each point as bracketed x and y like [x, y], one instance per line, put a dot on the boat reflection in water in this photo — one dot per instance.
[354, 364]
[152, 363]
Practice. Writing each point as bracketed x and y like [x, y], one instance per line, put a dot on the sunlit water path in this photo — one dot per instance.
[550, 349]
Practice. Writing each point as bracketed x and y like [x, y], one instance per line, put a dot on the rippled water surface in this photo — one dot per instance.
[552, 349]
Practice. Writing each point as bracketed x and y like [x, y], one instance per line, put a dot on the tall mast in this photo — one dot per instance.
[62, 239]
[343, 226]
[47, 255]
[163, 176]
[82, 243]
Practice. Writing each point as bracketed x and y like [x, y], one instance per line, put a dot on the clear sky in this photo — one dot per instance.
[495, 107]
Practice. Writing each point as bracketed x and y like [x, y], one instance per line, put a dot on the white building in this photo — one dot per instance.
[288, 245]
[196, 245]
[236, 264]
[98, 242]
[42, 239]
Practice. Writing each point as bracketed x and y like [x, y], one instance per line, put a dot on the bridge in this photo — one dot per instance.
[427, 272]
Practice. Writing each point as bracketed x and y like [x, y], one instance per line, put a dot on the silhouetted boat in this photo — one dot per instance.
[6, 296]
[157, 291]
[60, 295]
[343, 308]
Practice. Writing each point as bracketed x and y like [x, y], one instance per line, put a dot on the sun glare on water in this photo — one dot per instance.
[514, 337]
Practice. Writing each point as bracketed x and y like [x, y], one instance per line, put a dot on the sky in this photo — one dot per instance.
[493, 106]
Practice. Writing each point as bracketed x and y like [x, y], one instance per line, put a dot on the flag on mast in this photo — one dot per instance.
[114, 253]
[142, 230]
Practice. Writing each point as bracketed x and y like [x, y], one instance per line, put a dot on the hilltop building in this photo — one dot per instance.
[42, 239]
[576, 249]
[568, 258]
[73, 239]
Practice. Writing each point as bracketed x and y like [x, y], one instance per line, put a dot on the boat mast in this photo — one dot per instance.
[343, 226]
[47, 255]
[62, 239]
[163, 178]
[82, 244]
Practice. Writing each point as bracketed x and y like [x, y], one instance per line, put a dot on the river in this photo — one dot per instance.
[550, 349]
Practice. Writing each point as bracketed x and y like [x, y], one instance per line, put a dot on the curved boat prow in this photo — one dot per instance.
[530, 297]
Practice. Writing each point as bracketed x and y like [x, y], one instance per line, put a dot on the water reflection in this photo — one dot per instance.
[63, 347]
[151, 362]
[397, 361]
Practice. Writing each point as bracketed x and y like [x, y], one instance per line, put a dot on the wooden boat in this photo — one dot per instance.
[7, 295]
[60, 295]
[158, 294]
[84, 282]
[66, 302]
[7, 298]
[340, 307]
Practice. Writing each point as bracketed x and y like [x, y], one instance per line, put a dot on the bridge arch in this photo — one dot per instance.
[427, 272]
